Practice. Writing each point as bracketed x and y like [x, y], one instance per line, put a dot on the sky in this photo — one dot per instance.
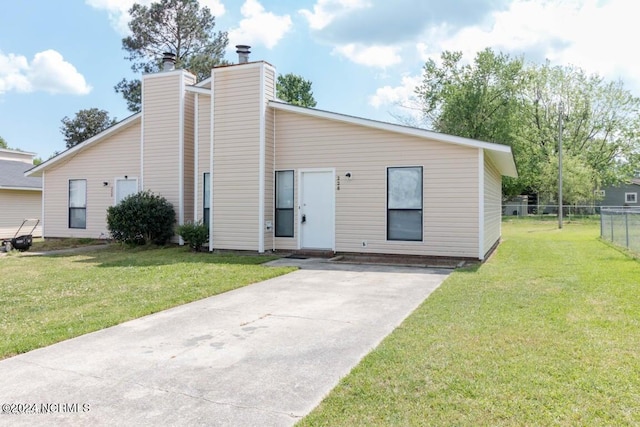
[363, 57]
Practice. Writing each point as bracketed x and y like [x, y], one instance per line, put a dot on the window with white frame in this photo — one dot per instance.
[125, 187]
[77, 203]
[206, 199]
[404, 203]
[284, 204]
[631, 197]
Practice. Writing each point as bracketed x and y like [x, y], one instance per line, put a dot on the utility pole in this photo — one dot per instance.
[560, 113]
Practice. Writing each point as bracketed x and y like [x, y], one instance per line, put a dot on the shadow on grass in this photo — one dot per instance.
[149, 256]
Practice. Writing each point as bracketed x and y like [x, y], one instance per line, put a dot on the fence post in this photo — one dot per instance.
[612, 219]
[626, 226]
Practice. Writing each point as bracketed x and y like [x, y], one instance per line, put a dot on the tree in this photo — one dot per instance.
[178, 26]
[84, 125]
[295, 90]
[3, 143]
[500, 99]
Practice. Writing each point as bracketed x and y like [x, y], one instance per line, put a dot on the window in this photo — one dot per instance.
[125, 187]
[631, 197]
[404, 203]
[284, 204]
[77, 203]
[206, 201]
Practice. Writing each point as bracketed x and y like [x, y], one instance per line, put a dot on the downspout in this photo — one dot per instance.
[211, 128]
[480, 204]
[42, 217]
[262, 165]
[273, 177]
[181, 157]
[196, 171]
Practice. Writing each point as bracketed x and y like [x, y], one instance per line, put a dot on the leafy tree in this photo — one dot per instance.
[179, 26]
[500, 99]
[84, 125]
[3, 143]
[295, 90]
[37, 161]
[141, 218]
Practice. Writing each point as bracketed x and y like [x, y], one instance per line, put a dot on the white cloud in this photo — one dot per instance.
[325, 11]
[594, 35]
[47, 72]
[118, 10]
[259, 26]
[591, 34]
[372, 56]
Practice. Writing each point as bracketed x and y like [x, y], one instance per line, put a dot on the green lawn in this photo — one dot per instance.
[48, 299]
[547, 332]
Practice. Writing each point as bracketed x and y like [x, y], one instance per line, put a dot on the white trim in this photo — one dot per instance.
[42, 222]
[198, 90]
[159, 74]
[181, 112]
[481, 230]
[211, 129]
[142, 134]
[626, 197]
[500, 154]
[24, 153]
[261, 165]
[333, 212]
[196, 170]
[85, 144]
[20, 188]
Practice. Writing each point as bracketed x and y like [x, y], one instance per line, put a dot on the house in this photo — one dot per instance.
[20, 196]
[625, 194]
[266, 175]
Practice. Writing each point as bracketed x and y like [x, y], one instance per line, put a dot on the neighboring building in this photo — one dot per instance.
[284, 177]
[20, 196]
[626, 194]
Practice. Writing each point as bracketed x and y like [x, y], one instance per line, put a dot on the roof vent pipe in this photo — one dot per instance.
[168, 61]
[243, 53]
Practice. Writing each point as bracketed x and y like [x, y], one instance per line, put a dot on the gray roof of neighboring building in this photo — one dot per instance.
[12, 176]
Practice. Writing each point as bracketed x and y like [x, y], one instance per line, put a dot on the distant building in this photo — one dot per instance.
[20, 196]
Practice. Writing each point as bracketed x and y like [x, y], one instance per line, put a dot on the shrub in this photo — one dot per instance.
[142, 218]
[195, 234]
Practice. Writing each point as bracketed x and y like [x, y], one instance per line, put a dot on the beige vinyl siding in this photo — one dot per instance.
[161, 120]
[450, 184]
[189, 169]
[115, 157]
[236, 156]
[492, 205]
[18, 205]
[204, 146]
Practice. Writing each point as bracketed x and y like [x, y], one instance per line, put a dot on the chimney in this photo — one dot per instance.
[168, 61]
[243, 53]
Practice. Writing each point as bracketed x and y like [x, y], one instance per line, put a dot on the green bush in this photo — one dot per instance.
[195, 234]
[142, 218]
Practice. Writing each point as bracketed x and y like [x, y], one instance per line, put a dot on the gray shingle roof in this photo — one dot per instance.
[12, 175]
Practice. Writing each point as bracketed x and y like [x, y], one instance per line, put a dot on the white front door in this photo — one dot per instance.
[317, 229]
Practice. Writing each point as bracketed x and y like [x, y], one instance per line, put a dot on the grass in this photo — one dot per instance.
[547, 332]
[40, 244]
[44, 300]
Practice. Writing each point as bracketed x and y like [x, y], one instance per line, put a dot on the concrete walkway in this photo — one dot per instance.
[262, 355]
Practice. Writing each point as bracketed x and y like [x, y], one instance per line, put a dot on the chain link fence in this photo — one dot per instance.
[544, 211]
[621, 226]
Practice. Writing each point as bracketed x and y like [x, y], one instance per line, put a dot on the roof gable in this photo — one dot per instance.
[37, 171]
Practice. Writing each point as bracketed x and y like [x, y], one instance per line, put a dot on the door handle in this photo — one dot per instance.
[304, 218]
